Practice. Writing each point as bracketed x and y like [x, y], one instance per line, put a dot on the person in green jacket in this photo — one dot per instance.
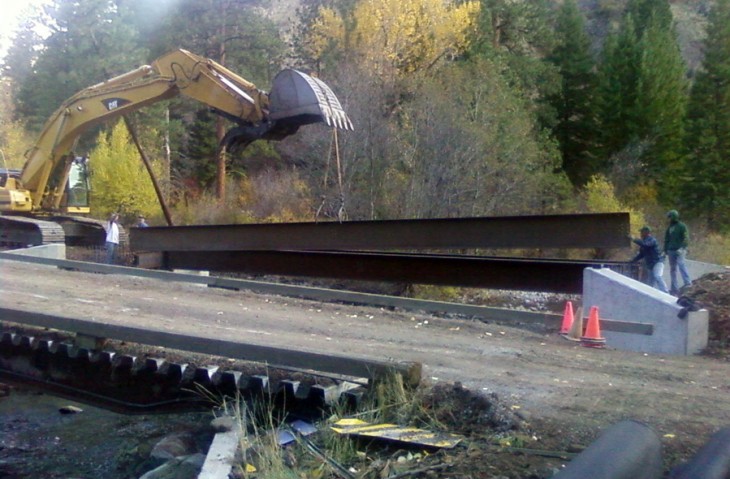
[676, 242]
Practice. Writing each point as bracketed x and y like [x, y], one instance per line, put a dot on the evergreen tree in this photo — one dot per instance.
[575, 105]
[200, 150]
[518, 27]
[230, 32]
[17, 66]
[650, 12]
[643, 92]
[517, 36]
[618, 91]
[91, 42]
[662, 102]
[705, 185]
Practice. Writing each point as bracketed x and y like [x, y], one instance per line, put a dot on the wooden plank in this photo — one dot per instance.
[221, 455]
[626, 327]
[554, 322]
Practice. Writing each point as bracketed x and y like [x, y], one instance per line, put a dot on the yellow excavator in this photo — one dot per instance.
[46, 200]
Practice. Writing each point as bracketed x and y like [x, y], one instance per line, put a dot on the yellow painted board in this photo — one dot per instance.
[393, 432]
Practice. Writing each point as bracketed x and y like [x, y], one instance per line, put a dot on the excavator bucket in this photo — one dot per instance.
[298, 99]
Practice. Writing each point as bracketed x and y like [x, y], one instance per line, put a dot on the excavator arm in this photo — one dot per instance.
[296, 99]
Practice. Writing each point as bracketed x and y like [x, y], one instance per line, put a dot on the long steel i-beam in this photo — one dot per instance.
[469, 271]
[605, 230]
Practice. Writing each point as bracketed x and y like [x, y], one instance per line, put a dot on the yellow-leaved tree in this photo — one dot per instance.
[14, 139]
[600, 197]
[119, 180]
[401, 36]
[14, 142]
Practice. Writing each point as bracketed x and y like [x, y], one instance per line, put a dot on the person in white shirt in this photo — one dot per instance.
[112, 238]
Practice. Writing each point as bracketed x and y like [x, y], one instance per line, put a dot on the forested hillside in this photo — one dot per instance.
[461, 108]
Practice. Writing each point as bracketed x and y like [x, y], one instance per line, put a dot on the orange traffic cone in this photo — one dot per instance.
[576, 330]
[567, 319]
[592, 337]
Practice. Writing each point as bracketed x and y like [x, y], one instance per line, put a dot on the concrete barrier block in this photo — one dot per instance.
[192, 271]
[621, 298]
[53, 251]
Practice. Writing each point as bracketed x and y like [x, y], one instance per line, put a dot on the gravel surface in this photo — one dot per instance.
[568, 391]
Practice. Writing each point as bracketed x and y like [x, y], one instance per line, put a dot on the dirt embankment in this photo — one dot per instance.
[712, 292]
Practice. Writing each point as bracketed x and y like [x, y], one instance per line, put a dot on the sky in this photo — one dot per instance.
[11, 12]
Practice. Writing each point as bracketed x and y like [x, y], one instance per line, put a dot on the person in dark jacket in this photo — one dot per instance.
[653, 259]
[676, 242]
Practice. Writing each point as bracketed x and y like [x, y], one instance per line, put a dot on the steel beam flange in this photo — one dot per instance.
[41, 344]
[102, 358]
[256, 385]
[293, 390]
[228, 383]
[107, 379]
[353, 398]
[148, 366]
[172, 371]
[59, 348]
[22, 341]
[124, 361]
[79, 354]
[203, 376]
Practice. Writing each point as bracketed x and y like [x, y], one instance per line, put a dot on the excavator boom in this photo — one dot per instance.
[296, 99]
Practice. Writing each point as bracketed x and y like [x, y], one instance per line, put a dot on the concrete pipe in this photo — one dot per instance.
[712, 461]
[626, 450]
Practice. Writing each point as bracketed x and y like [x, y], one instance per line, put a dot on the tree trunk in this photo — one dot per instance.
[219, 125]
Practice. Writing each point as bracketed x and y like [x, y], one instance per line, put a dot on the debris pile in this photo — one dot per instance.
[467, 412]
[712, 292]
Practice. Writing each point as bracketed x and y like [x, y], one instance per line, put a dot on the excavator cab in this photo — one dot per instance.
[78, 186]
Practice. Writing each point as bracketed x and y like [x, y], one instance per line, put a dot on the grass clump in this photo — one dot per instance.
[325, 454]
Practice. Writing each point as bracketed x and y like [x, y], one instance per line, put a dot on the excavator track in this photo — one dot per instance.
[20, 231]
[83, 231]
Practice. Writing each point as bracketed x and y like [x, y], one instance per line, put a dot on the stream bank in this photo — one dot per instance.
[43, 436]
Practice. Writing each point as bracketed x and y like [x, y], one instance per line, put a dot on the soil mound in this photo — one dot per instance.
[712, 292]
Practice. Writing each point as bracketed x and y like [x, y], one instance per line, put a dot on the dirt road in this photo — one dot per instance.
[545, 377]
